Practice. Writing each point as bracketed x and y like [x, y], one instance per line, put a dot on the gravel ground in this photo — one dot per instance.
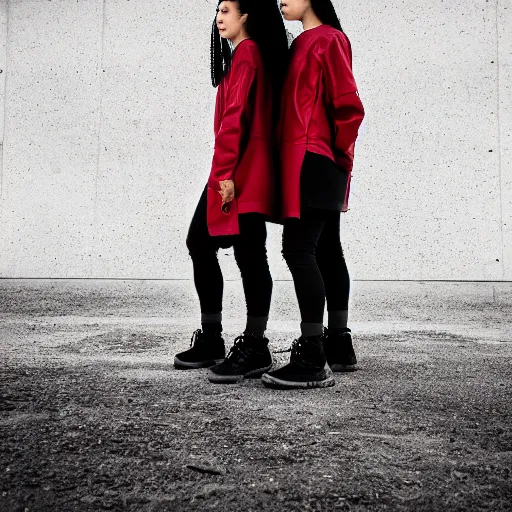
[94, 417]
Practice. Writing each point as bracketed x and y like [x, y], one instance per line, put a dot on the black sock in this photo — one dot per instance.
[337, 320]
[211, 323]
[311, 329]
[256, 325]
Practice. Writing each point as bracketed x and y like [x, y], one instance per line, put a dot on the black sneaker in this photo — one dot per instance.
[339, 350]
[205, 351]
[307, 368]
[248, 358]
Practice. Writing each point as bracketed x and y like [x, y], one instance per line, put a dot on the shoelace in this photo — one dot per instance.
[295, 348]
[296, 342]
[237, 349]
[196, 336]
[297, 356]
[281, 351]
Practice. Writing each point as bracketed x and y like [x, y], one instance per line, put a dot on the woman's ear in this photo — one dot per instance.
[244, 18]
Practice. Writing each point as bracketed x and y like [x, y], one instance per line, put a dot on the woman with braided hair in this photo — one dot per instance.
[239, 196]
[320, 116]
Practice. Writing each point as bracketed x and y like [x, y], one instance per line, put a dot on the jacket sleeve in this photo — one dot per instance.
[342, 98]
[233, 126]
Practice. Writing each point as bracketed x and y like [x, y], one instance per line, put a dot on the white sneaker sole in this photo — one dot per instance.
[275, 383]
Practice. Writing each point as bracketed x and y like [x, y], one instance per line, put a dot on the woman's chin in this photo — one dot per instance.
[287, 17]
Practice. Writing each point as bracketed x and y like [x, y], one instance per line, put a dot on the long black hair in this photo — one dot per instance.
[326, 12]
[265, 27]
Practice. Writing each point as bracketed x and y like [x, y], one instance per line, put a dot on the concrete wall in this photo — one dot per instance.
[504, 86]
[3, 62]
[108, 139]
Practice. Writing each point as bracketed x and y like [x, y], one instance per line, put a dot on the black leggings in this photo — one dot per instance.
[250, 254]
[312, 250]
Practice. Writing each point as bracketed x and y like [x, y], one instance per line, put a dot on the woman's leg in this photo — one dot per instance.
[300, 237]
[333, 267]
[207, 345]
[207, 273]
[251, 256]
[308, 364]
[331, 261]
[250, 356]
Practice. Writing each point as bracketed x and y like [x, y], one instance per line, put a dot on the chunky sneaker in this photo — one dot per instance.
[249, 357]
[205, 351]
[339, 350]
[307, 368]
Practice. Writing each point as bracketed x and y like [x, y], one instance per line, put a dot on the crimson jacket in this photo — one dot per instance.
[243, 141]
[320, 109]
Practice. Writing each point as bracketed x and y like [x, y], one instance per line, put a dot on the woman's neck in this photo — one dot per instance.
[242, 36]
[310, 20]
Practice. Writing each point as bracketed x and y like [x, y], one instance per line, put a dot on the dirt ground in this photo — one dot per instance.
[94, 417]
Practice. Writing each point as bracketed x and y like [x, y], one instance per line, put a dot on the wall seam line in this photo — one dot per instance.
[234, 280]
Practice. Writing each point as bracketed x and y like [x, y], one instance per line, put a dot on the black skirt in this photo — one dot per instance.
[323, 184]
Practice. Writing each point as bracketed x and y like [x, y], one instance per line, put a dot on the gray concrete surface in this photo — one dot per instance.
[504, 17]
[108, 125]
[3, 62]
[94, 416]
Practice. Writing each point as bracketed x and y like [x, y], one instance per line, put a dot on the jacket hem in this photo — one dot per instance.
[253, 207]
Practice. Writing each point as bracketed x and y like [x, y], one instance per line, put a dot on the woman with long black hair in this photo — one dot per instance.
[239, 195]
[320, 116]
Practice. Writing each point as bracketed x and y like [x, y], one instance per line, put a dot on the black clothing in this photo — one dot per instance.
[323, 183]
[211, 327]
[307, 367]
[339, 350]
[250, 254]
[205, 350]
[248, 358]
[312, 250]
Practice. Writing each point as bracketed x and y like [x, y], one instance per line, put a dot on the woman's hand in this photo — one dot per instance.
[227, 191]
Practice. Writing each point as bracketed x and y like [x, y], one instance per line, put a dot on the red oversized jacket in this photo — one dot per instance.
[243, 141]
[320, 110]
